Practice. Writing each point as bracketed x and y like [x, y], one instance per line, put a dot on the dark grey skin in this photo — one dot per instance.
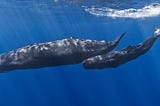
[60, 52]
[116, 58]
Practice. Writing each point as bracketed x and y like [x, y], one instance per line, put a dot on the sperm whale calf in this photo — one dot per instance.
[114, 59]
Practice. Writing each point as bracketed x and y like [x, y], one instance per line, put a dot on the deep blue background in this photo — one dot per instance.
[136, 83]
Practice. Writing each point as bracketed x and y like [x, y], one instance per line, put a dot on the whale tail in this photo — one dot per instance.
[157, 32]
[117, 40]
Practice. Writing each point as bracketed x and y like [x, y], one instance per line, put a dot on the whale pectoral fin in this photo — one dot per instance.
[119, 38]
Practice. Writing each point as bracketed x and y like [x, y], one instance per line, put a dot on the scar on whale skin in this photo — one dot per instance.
[59, 52]
[116, 58]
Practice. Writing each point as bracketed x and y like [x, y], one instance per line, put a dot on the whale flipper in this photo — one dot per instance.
[117, 40]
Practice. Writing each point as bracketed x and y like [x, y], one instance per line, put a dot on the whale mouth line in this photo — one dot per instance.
[144, 12]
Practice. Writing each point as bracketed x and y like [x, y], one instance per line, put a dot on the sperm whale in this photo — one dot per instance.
[116, 58]
[55, 53]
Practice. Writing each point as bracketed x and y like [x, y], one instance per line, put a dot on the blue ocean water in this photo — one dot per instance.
[135, 83]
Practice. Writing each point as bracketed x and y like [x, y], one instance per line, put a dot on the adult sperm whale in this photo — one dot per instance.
[59, 52]
[115, 58]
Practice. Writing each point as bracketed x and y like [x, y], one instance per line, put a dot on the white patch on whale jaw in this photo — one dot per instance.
[157, 32]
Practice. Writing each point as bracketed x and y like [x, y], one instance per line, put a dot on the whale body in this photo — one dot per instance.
[59, 52]
[114, 59]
